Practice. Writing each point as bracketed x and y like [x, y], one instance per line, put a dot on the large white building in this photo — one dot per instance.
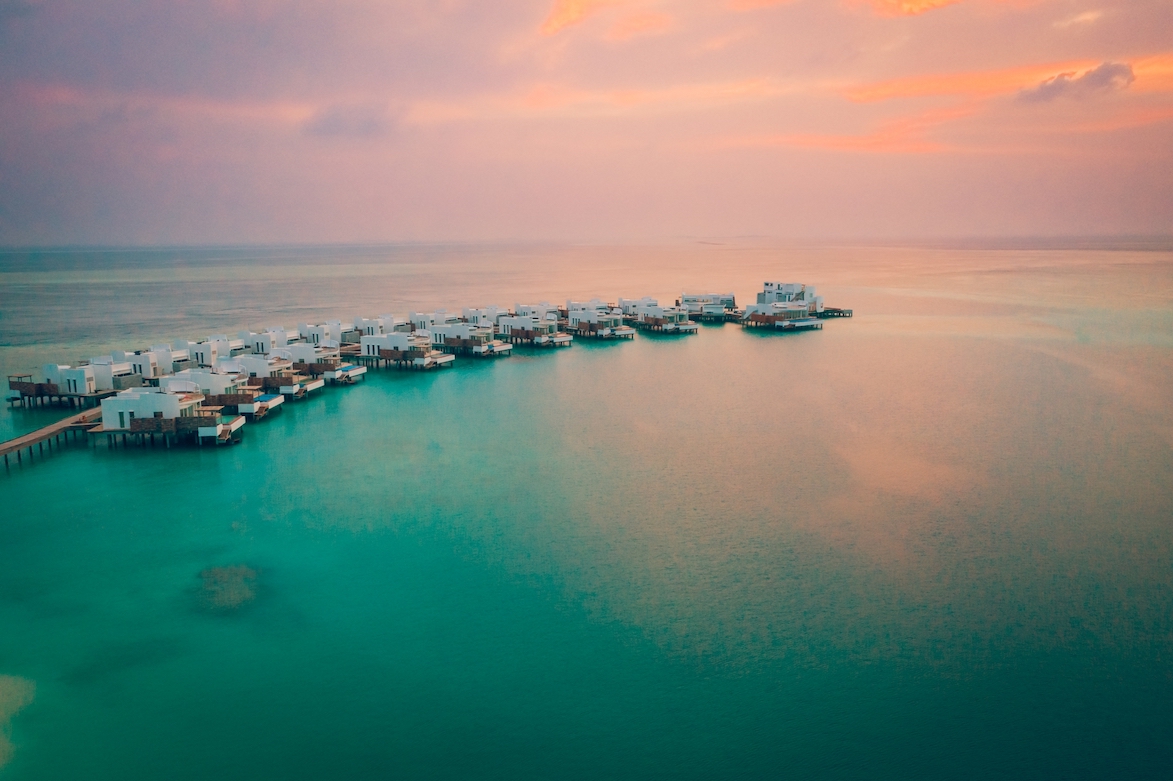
[312, 352]
[599, 323]
[787, 292]
[383, 324]
[669, 319]
[119, 410]
[330, 331]
[486, 316]
[413, 349]
[467, 338]
[629, 305]
[542, 311]
[596, 304]
[110, 374]
[270, 365]
[209, 382]
[75, 380]
[531, 328]
[708, 303]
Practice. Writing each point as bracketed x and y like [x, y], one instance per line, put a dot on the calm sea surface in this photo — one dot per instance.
[935, 540]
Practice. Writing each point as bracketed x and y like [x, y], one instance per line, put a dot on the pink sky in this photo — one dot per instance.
[182, 121]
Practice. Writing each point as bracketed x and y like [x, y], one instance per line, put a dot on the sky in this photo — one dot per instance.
[225, 121]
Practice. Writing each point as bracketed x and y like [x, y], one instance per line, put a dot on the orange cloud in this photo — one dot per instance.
[1154, 74]
[566, 13]
[750, 5]
[975, 83]
[907, 7]
[647, 23]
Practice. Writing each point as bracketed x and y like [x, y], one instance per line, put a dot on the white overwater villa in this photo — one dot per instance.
[648, 315]
[468, 339]
[596, 319]
[709, 306]
[174, 414]
[405, 349]
[785, 306]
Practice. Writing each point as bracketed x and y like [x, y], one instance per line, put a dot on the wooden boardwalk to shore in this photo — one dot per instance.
[50, 434]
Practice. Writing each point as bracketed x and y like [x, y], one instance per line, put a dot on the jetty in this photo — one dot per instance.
[53, 435]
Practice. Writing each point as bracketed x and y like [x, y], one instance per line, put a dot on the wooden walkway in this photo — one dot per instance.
[50, 434]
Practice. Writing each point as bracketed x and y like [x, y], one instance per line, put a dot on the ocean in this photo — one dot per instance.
[933, 540]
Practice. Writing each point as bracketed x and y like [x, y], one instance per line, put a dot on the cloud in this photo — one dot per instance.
[1087, 17]
[1106, 77]
[646, 23]
[753, 5]
[361, 120]
[974, 83]
[907, 7]
[1154, 74]
[566, 13]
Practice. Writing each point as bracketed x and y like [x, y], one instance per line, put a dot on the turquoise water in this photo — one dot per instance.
[933, 540]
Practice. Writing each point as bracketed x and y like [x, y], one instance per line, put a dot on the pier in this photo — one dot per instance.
[53, 435]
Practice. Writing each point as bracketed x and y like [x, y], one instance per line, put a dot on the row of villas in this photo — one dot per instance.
[203, 390]
[207, 389]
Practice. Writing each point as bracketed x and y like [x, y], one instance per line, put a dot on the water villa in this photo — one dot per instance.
[487, 316]
[710, 307]
[405, 350]
[174, 415]
[663, 319]
[468, 339]
[791, 316]
[788, 306]
[596, 323]
[528, 329]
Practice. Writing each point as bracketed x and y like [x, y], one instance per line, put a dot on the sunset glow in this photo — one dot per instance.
[578, 118]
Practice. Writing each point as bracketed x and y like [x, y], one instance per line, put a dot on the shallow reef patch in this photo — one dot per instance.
[228, 588]
[15, 694]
